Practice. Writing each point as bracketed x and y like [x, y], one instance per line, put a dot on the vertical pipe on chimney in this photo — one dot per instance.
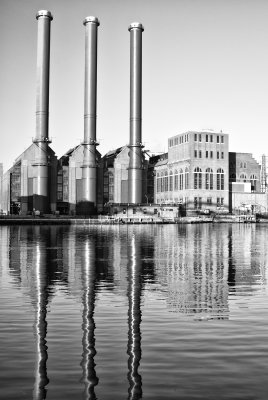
[40, 181]
[135, 145]
[89, 175]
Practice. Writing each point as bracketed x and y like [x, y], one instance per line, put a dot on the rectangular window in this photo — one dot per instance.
[195, 154]
[206, 154]
[218, 139]
[218, 201]
[195, 202]
[222, 139]
[222, 155]
[195, 137]
[222, 201]
[182, 139]
[200, 154]
[200, 137]
[207, 138]
[218, 155]
[209, 200]
[185, 137]
[211, 138]
[176, 141]
[211, 154]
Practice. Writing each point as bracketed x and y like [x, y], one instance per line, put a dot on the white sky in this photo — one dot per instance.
[205, 65]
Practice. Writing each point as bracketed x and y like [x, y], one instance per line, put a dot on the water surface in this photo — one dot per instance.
[131, 312]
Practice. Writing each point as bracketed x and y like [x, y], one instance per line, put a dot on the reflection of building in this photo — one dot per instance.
[249, 256]
[193, 263]
[196, 171]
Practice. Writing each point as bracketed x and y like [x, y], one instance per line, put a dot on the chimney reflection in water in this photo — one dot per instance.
[89, 276]
[40, 263]
[134, 318]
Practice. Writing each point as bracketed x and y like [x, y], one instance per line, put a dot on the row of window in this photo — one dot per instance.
[198, 202]
[209, 154]
[179, 140]
[167, 182]
[243, 177]
[198, 184]
[241, 165]
[209, 138]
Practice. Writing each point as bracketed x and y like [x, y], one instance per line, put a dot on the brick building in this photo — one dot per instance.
[195, 174]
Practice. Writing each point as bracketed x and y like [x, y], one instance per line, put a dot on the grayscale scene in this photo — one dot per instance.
[134, 199]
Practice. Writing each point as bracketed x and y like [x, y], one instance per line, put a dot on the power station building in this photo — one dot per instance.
[196, 172]
[114, 177]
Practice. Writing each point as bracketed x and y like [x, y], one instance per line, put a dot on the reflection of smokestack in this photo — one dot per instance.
[89, 163]
[90, 378]
[134, 319]
[40, 182]
[41, 379]
[135, 146]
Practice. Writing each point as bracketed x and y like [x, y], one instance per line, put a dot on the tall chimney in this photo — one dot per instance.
[135, 145]
[41, 140]
[89, 172]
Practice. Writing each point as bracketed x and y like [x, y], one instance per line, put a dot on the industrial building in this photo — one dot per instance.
[114, 177]
[36, 183]
[19, 194]
[195, 174]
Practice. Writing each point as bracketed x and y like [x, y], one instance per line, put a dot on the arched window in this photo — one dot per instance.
[241, 165]
[111, 185]
[166, 182]
[209, 179]
[181, 179]
[197, 178]
[220, 179]
[176, 178]
[171, 181]
[243, 177]
[158, 182]
[186, 185]
[162, 182]
[253, 181]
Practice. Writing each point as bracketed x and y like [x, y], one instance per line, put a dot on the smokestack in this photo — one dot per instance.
[135, 146]
[40, 181]
[89, 174]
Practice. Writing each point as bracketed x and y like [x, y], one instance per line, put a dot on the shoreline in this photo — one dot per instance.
[60, 220]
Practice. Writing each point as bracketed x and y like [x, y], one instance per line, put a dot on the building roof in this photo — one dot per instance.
[113, 153]
[161, 162]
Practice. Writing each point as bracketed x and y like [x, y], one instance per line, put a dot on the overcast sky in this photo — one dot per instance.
[205, 65]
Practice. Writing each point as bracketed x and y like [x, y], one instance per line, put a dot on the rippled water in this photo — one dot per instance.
[131, 312]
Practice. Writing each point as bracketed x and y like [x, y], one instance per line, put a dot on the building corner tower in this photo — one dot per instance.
[89, 167]
[135, 142]
[41, 198]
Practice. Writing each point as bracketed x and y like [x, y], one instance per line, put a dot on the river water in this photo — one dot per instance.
[131, 312]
